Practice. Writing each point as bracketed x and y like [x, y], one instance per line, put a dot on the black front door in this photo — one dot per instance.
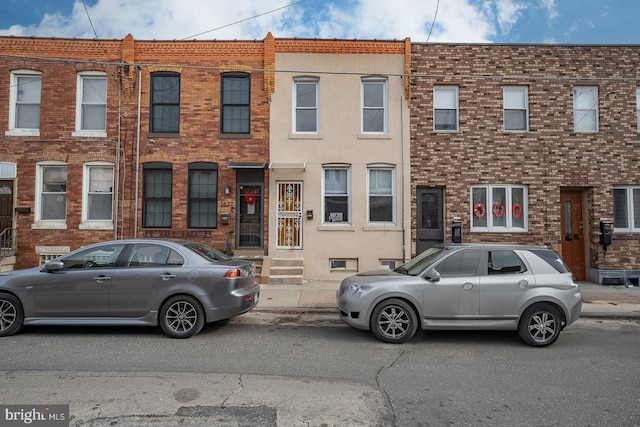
[430, 223]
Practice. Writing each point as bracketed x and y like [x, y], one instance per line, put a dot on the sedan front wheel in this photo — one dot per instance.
[181, 316]
[394, 321]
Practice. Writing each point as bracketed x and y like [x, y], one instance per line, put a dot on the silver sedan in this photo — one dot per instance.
[496, 287]
[179, 285]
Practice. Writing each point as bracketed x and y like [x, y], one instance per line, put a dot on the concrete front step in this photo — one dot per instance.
[287, 262]
[286, 270]
[285, 279]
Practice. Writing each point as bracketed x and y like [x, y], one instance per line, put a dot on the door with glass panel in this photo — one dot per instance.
[573, 248]
[430, 223]
[289, 215]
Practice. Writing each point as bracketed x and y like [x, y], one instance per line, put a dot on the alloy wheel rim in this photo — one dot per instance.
[393, 322]
[7, 315]
[181, 317]
[543, 327]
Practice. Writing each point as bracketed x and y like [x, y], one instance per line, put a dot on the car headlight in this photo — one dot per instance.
[359, 287]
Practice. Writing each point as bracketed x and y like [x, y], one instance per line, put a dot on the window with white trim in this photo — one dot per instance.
[516, 108]
[51, 200]
[626, 209]
[24, 107]
[499, 208]
[585, 109]
[374, 105]
[638, 109]
[305, 101]
[336, 187]
[381, 195]
[98, 193]
[445, 108]
[91, 103]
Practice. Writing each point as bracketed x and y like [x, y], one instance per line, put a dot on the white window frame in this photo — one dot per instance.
[95, 224]
[509, 209]
[48, 223]
[371, 81]
[89, 75]
[392, 194]
[638, 109]
[522, 93]
[439, 104]
[633, 223]
[583, 107]
[306, 81]
[13, 101]
[347, 168]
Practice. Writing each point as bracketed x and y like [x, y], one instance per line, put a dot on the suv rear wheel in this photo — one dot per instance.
[540, 325]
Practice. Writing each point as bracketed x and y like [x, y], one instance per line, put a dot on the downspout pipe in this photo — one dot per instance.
[135, 209]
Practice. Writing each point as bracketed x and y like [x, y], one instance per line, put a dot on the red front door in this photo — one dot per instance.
[572, 232]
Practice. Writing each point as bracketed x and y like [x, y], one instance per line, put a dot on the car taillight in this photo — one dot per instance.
[235, 272]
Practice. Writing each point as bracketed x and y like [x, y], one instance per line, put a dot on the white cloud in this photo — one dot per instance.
[456, 20]
[508, 13]
[550, 5]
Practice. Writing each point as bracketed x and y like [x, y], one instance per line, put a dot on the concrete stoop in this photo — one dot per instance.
[286, 271]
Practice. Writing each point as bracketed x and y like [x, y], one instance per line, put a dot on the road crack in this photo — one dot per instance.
[240, 387]
[387, 398]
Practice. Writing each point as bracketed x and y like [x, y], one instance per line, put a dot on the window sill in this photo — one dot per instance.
[305, 136]
[49, 225]
[235, 136]
[374, 136]
[336, 227]
[89, 134]
[22, 132]
[382, 227]
[96, 225]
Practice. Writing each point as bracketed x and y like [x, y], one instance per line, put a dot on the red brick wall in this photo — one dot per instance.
[548, 157]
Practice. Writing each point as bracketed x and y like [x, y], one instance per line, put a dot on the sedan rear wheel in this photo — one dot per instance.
[11, 315]
[394, 321]
[181, 317]
[540, 325]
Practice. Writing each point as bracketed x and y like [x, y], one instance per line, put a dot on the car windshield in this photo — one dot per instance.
[207, 251]
[421, 262]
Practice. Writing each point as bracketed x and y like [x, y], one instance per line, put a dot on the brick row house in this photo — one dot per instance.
[322, 157]
[532, 144]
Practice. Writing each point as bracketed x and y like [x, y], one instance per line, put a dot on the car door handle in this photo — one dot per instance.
[467, 286]
[167, 276]
[101, 279]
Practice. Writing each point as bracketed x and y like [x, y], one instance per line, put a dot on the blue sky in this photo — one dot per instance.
[497, 21]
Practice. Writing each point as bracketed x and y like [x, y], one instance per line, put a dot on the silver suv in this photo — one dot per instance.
[491, 287]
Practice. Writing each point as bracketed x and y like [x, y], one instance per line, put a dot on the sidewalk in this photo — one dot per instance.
[317, 296]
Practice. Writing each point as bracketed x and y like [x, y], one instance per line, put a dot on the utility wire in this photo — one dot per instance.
[434, 21]
[94, 30]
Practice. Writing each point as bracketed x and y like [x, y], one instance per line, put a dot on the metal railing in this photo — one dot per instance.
[8, 240]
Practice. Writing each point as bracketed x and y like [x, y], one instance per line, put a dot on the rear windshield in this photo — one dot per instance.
[553, 259]
[207, 251]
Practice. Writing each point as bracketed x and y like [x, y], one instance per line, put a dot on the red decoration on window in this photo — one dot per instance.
[251, 197]
[516, 210]
[498, 209]
[479, 210]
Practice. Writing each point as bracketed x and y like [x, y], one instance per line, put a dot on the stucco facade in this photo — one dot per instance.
[304, 155]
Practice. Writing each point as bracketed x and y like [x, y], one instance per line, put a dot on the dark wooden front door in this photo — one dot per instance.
[430, 223]
[6, 205]
[573, 232]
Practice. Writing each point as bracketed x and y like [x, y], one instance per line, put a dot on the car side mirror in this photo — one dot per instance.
[52, 266]
[432, 275]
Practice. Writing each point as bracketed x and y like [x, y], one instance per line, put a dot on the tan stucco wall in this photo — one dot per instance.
[339, 141]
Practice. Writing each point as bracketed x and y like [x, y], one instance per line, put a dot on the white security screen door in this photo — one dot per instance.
[289, 215]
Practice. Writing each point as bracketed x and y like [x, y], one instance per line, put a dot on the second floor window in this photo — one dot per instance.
[236, 99]
[25, 100]
[91, 111]
[585, 109]
[165, 103]
[202, 208]
[515, 108]
[306, 105]
[157, 182]
[374, 105]
[445, 108]
[53, 192]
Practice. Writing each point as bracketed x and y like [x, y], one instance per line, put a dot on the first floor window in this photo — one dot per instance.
[336, 195]
[381, 195]
[157, 181]
[203, 195]
[499, 208]
[99, 192]
[626, 209]
[53, 192]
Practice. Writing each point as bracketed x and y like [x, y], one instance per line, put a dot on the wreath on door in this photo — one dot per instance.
[251, 197]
